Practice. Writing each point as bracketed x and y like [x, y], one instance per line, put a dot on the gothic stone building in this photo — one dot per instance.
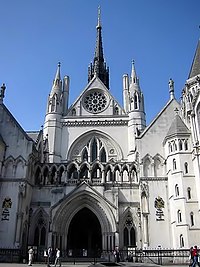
[96, 176]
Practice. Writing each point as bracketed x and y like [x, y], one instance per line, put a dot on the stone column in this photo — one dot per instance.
[145, 233]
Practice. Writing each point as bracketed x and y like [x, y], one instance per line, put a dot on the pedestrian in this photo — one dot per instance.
[195, 256]
[49, 256]
[57, 259]
[116, 254]
[191, 257]
[45, 256]
[30, 256]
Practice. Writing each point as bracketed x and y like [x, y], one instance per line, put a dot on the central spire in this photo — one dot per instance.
[98, 67]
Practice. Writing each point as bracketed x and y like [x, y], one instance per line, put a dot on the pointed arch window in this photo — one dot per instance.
[174, 164]
[117, 174]
[129, 232]
[180, 144]
[135, 101]
[181, 241]
[179, 216]
[40, 231]
[102, 156]
[109, 175]
[125, 177]
[94, 150]
[170, 147]
[53, 103]
[84, 172]
[72, 172]
[85, 154]
[73, 112]
[186, 167]
[147, 167]
[53, 176]
[96, 172]
[192, 218]
[174, 146]
[61, 174]
[186, 145]
[116, 110]
[176, 190]
[38, 178]
[189, 193]
[46, 176]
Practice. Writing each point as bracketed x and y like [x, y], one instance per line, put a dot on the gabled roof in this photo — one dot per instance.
[16, 123]
[157, 117]
[95, 83]
[177, 127]
[83, 188]
[195, 69]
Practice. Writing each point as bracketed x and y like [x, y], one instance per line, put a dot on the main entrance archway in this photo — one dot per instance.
[84, 234]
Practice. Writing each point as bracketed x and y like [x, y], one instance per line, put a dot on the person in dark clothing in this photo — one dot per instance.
[191, 257]
[195, 256]
[117, 255]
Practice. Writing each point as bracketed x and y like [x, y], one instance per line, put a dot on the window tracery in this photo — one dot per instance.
[129, 231]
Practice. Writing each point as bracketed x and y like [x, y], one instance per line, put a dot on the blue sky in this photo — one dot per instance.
[160, 35]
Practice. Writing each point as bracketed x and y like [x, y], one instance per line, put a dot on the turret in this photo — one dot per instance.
[52, 126]
[54, 104]
[134, 99]
[134, 106]
[180, 174]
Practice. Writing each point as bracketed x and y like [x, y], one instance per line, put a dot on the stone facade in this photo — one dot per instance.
[95, 176]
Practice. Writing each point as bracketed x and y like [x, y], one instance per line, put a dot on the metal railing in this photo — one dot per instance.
[156, 256]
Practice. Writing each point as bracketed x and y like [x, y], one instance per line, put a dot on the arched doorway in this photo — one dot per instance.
[84, 234]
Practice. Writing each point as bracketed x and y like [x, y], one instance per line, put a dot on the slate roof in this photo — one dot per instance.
[195, 69]
[33, 135]
[177, 127]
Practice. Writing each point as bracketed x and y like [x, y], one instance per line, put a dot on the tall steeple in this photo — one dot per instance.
[98, 67]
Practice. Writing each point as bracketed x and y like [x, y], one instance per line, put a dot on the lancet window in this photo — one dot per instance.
[181, 241]
[176, 190]
[179, 216]
[94, 150]
[192, 219]
[186, 167]
[189, 193]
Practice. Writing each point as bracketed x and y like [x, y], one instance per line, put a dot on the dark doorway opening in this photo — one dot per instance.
[84, 235]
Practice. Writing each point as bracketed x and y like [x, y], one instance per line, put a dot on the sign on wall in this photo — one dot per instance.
[159, 204]
[6, 205]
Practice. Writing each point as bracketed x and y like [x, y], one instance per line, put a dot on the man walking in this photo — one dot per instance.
[49, 256]
[57, 259]
[30, 256]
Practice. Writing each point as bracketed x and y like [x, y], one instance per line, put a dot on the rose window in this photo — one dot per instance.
[95, 101]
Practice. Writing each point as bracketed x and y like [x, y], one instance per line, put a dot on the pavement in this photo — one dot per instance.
[90, 264]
